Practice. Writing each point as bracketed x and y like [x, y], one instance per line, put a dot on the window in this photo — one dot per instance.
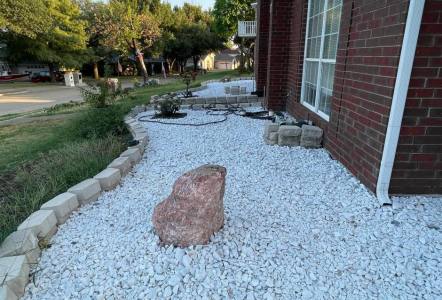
[321, 45]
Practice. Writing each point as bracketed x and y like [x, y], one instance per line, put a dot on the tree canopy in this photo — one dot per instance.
[227, 13]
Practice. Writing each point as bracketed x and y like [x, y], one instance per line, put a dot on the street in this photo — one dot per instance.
[26, 97]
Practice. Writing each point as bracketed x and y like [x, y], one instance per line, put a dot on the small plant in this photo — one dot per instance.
[187, 79]
[168, 105]
[103, 93]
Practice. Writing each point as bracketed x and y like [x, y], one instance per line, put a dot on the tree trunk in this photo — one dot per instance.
[52, 72]
[140, 60]
[96, 73]
[242, 60]
[195, 63]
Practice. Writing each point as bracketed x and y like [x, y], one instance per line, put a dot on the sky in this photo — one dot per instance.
[204, 3]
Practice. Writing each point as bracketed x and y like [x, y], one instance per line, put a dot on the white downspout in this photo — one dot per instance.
[406, 60]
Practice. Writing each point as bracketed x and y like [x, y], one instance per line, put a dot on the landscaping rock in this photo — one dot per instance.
[272, 139]
[232, 100]
[195, 210]
[139, 146]
[108, 178]
[252, 99]
[62, 205]
[221, 100]
[311, 136]
[42, 223]
[87, 191]
[234, 90]
[289, 135]
[242, 99]
[133, 154]
[14, 273]
[21, 243]
[271, 133]
[7, 294]
[142, 137]
[121, 163]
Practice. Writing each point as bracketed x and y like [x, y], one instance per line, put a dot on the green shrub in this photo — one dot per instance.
[98, 122]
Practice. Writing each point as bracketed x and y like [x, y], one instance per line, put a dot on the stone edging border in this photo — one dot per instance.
[22, 248]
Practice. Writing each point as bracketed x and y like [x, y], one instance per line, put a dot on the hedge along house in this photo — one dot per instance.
[369, 72]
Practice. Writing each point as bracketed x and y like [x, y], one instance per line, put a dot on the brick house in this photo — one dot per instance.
[378, 66]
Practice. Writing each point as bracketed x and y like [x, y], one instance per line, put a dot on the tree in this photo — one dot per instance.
[128, 27]
[63, 42]
[227, 14]
[24, 17]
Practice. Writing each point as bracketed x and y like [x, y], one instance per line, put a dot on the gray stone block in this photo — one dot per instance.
[289, 130]
[109, 178]
[63, 205]
[271, 139]
[252, 98]
[134, 155]
[7, 294]
[14, 273]
[242, 99]
[188, 101]
[42, 223]
[289, 135]
[232, 100]
[200, 100]
[121, 163]
[211, 100]
[221, 100]
[234, 90]
[87, 191]
[311, 136]
[21, 243]
[269, 128]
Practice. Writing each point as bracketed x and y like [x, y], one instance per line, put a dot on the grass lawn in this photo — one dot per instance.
[40, 159]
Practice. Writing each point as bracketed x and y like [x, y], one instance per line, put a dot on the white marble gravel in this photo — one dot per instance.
[216, 89]
[298, 226]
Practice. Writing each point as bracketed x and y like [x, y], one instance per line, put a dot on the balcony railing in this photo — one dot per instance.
[247, 28]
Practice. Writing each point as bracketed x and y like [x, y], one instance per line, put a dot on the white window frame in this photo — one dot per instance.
[319, 60]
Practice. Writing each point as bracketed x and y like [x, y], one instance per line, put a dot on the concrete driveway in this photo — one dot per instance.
[27, 97]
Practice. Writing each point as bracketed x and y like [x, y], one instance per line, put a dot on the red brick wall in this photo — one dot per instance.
[262, 44]
[278, 54]
[418, 165]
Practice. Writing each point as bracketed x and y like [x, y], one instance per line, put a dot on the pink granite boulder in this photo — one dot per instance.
[194, 210]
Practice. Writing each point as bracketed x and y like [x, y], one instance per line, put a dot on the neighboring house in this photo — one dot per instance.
[207, 62]
[227, 59]
[30, 67]
[346, 66]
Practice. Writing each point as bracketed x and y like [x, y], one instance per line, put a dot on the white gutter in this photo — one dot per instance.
[408, 51]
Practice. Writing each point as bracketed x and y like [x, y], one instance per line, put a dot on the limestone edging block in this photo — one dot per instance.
[7, 294]
[14, 273]
[21, 243]
[42, 223]
[134, 155]
[87, 191]
[109, 178]
[121, 163]
[62, 205]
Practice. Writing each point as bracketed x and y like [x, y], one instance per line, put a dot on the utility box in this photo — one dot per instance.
[78, 78]
[69, 79]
